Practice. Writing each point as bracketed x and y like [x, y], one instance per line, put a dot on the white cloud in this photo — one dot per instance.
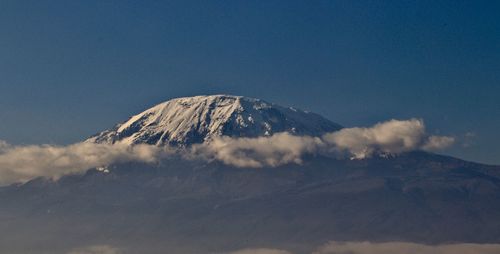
[437, 143]
[335, 247]
[406, 248]
[260, 251]
[23, 163]
[281, 148]
[96, 249]
[391, 137]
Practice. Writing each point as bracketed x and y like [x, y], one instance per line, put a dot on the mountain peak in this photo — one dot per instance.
[197, 119]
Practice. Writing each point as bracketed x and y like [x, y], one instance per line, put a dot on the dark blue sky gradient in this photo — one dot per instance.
[69, 69]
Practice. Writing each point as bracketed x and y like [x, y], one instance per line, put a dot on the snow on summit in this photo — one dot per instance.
[197, 119]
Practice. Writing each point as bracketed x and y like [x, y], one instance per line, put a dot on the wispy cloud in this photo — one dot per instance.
[406, 248]
[260, 251]
[96, 249]
[468, 139]
[335, 247]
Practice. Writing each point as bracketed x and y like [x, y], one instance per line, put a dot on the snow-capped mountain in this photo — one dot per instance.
[180, 205]
[197, 119]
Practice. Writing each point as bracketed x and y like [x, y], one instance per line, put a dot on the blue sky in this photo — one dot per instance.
[69, 69]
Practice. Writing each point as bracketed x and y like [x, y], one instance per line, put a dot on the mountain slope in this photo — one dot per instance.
[190, 120]
[183, 206]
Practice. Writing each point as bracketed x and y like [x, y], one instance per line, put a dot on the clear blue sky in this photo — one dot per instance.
[69, 69]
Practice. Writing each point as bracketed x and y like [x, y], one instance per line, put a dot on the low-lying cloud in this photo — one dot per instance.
[260, 251]
[96, 249]
[23, 163]
[340, 247]
[391, 137]
[335, 247]
[406, 248]
[279, 149]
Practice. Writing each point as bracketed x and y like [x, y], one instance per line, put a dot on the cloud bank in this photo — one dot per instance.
[260, 251]
[335, 247]
[96, 249]
[406, 248]
[279, 149]
[23, 163]
[338, 247]
[391, 137]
